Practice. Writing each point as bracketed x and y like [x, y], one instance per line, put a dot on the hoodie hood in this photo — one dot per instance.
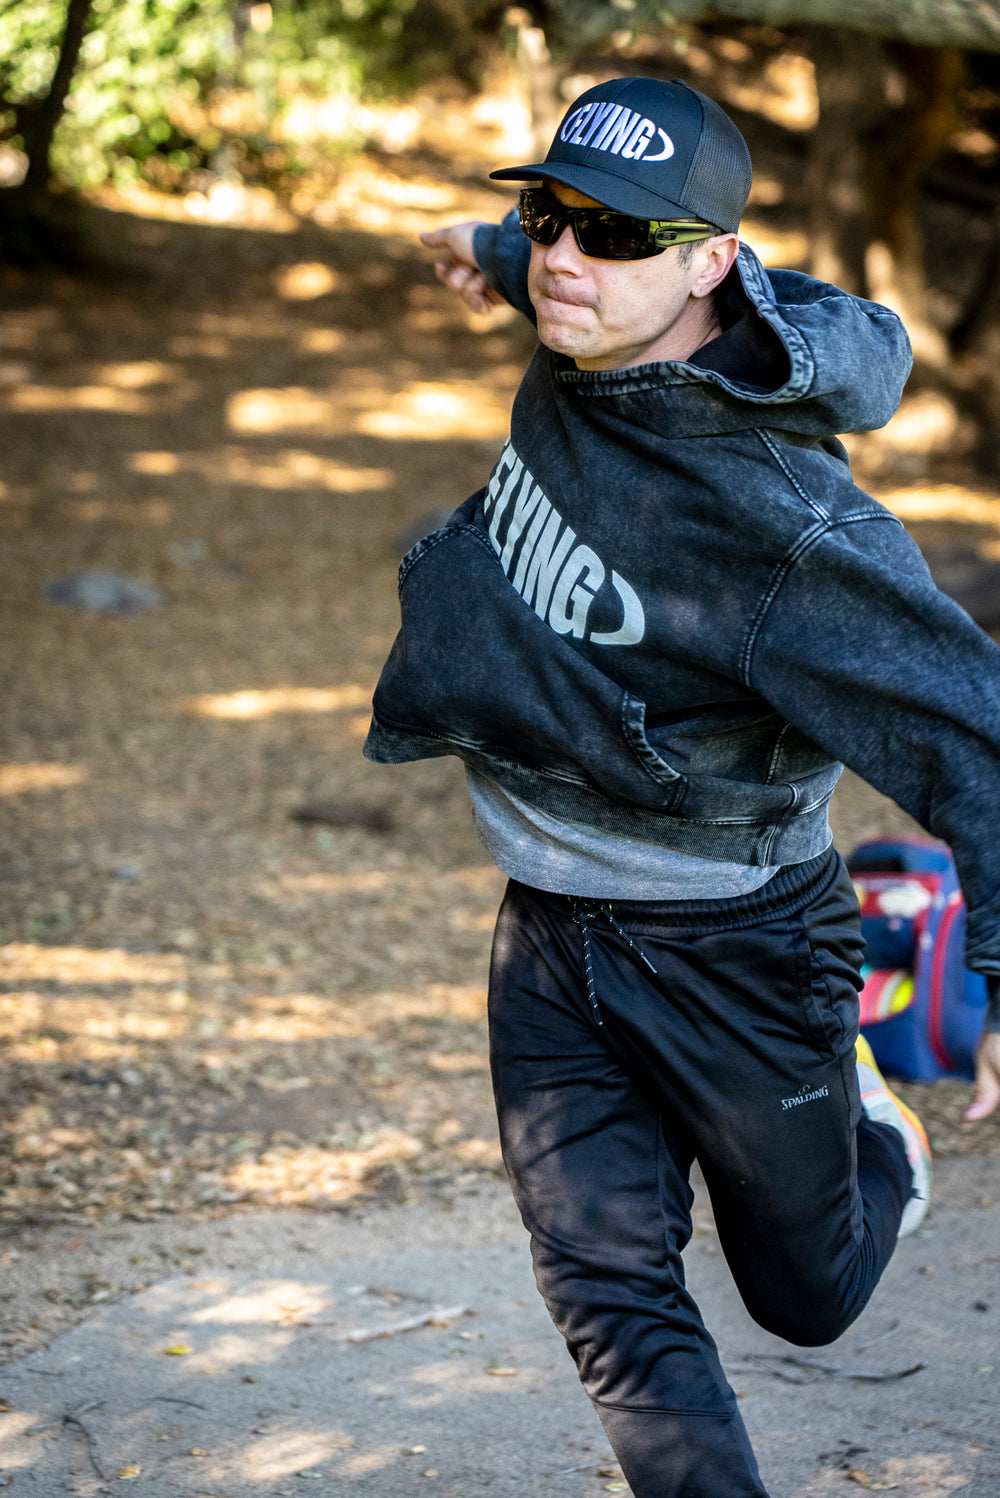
[795, 355]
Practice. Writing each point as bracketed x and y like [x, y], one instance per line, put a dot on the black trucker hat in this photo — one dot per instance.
[651, 149]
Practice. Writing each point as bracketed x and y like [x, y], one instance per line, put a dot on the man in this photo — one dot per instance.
[653, 637]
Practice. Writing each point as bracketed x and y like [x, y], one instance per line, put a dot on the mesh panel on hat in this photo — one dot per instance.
[718, 180]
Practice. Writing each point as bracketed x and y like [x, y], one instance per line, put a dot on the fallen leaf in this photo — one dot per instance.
[866, 1480]
[197, 1451]
[503, 1372]
[132, 1470]
[431, 1472]
[417, 1450]
[180, 1351]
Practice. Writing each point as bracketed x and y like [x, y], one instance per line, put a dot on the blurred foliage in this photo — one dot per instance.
[163, 86]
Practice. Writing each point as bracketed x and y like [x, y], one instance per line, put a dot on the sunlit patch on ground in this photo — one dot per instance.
[322, 341]
[291, 1017]
[458, 1001]
[15, 780]
[315, 1175]
[435, 411]
[35, 1026]
[952, 502]
[292, 409]
[460, 1061]
[285, 1455]
[266, 703]
[309, 1174]
[46, 398]
[137, 374]
[25, 962]
[306, 281]
[287, 468]
[110, 387]
[423, 411]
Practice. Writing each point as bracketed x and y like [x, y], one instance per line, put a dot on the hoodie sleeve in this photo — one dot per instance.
[502, 253]
[858, 649]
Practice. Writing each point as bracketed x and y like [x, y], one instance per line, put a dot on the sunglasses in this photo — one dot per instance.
[602, 234]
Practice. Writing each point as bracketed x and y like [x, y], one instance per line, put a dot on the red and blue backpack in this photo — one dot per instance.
[921, 1008]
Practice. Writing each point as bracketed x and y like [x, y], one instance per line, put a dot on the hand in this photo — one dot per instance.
[986, 1094]
[457, 269]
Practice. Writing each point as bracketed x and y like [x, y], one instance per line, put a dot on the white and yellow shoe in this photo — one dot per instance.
[883, 1106]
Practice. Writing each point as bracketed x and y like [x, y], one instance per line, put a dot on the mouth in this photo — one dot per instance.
[562, 298]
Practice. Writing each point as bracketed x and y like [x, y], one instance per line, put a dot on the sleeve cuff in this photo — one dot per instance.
[991, 1023]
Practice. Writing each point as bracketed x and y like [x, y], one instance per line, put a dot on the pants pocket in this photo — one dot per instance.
[834, 983]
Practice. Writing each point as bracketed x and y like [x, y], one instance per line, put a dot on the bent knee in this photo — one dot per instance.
[805, 1322]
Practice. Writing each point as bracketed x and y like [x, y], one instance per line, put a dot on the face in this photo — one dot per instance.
[613, 314]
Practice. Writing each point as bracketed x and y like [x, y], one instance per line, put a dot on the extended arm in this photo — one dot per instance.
[860, 651]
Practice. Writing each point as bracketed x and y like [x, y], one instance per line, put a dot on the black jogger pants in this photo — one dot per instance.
[627, 1040]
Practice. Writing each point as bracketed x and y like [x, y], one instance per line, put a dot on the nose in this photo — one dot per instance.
[563, 256]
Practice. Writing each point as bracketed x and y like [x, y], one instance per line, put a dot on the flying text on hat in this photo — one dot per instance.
[612, 127]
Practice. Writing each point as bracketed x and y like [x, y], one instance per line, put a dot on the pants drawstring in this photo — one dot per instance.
[584, 916]
[628, 940]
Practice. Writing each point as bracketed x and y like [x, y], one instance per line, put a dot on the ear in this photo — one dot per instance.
[717, 257]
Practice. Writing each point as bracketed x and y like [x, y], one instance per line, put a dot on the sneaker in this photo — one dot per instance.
[883, 1106]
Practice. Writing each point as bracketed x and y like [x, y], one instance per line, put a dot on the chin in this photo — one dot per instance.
[563, 340]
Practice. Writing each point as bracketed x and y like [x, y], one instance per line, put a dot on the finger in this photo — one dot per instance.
[985, 1098]
[479, 296]
[455, 274]
[487, 298]
[470, 284]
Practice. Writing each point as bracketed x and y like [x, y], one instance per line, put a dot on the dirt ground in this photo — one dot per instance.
[241, 966]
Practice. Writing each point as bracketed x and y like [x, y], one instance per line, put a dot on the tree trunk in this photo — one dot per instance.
[885, 114]
[897, 158]
[534, 63]
[30, 229]
[38, 124]
[850, 85]
[979, 355]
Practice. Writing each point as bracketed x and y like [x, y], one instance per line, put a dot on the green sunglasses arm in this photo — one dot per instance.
[666, 233]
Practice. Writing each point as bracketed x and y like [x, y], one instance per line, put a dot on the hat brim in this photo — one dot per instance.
[606, 188]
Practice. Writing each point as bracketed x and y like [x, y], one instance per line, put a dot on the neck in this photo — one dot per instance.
[698, 324]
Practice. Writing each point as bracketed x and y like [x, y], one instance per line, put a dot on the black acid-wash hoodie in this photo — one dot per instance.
[671, 613]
